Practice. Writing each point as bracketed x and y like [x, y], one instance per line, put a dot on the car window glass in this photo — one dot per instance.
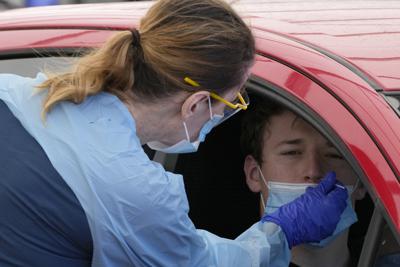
[31, 66]
[388, 249]
[394, 101]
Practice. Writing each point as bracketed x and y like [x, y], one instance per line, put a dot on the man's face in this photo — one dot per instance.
[294, 152]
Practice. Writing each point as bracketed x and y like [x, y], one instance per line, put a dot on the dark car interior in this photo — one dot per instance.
[219, 198]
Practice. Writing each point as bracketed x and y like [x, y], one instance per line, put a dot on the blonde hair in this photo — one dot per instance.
[202, 39]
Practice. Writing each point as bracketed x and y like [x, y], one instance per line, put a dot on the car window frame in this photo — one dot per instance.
[387, 95]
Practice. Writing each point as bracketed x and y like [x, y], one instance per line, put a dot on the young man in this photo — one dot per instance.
[285, 155]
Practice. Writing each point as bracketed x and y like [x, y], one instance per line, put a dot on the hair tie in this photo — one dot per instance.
[136, 38]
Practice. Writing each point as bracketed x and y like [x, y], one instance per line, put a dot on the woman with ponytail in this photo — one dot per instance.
[76, 187]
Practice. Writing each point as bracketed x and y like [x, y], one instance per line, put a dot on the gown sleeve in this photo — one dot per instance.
[164, 235]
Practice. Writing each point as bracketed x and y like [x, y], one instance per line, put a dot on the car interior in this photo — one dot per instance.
[218, 196]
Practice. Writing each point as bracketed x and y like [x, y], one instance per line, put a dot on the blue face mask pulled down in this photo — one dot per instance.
[185, 146]
[283, 193]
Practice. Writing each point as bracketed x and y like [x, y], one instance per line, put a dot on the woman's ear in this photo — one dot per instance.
[194, 103]
[252, 172]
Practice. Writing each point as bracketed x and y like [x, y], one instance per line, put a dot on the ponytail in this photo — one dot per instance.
[205, 40]
[109, 68]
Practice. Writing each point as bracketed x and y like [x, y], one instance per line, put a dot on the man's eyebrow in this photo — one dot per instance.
[296, 141]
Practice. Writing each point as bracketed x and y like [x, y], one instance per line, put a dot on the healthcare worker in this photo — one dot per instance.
[76, 187]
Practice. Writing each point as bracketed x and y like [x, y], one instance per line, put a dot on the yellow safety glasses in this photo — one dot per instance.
[241, 102]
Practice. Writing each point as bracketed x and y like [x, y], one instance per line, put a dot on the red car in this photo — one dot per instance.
[335, 63]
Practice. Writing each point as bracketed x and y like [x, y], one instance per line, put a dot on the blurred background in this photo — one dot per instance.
[9, 4]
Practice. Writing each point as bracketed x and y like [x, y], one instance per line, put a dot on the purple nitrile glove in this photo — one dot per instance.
[314, 215]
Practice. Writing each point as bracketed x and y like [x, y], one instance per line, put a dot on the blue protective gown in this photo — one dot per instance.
[136, 211]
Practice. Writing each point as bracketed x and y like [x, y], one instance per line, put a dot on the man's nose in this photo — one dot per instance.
[313, 172]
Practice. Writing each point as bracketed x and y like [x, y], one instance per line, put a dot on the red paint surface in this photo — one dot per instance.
[366, 33]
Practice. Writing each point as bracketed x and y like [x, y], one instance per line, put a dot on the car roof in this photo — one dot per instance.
[365, 34]
[100, 15]
[362, 34]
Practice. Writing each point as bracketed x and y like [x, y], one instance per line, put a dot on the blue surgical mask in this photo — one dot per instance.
[185, 146]
[283, 193]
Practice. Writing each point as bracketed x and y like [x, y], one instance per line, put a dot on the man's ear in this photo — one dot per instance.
[252, 173]
[360, 192]
[194, 103]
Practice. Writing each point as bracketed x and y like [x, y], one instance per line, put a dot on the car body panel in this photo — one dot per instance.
[26, 40]
[364, 33]
[91, 16]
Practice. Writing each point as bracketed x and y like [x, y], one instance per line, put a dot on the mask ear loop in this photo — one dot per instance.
[266, 184]
[262, 177]
[186, 131]
[209, 106]
[184, 124]
[356, 185]
[262, 202]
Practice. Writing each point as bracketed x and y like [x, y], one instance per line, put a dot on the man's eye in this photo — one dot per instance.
[334, 156]
[291, 153]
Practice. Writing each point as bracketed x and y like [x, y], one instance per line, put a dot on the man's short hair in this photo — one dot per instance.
[255, 122]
